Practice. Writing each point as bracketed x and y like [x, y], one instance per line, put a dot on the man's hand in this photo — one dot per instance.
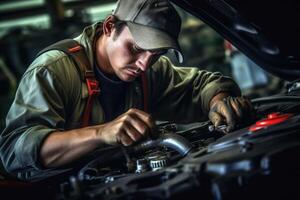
[128, 128]
[63, 147]
[230, 111]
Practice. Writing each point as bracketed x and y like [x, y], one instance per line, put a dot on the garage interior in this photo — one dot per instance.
[26, 27]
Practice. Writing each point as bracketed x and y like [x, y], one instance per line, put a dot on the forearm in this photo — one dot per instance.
[64, 147]
[186, 90]
[61, 148]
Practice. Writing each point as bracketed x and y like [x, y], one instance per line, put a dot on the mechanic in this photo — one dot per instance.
[44, 127]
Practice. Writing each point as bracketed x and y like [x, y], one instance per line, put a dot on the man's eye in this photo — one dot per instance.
[136, 49]
[160, 53]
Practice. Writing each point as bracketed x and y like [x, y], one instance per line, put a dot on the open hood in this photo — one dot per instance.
[268, 32]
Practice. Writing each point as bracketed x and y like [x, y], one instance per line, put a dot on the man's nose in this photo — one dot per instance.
[144, 60]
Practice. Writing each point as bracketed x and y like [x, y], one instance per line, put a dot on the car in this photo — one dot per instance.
[260, 159]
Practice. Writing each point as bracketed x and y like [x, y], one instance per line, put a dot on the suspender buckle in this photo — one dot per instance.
[92, 83]
[93, 86]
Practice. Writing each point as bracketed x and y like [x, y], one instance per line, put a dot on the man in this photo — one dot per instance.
[44, 123]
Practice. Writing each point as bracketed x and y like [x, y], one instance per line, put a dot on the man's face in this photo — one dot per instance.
[126, 59]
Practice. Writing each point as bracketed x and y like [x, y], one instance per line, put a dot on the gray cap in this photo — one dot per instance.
[154, 24]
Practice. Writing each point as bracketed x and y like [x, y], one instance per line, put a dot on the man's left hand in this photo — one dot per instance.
[230, 111]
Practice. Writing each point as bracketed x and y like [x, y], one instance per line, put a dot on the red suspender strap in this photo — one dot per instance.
[92, 86]
[145, 91]
[93, 91]
[73, 49]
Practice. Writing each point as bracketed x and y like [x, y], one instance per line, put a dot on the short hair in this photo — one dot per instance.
[119, 26]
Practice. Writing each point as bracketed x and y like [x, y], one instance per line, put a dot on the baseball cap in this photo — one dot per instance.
[154, 24]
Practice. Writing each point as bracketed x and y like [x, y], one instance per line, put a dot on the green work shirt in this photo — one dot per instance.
[51, 97]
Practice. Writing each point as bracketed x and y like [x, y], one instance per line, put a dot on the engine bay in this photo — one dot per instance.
[259, 159]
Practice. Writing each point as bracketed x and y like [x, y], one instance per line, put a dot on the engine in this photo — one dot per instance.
[258, 160]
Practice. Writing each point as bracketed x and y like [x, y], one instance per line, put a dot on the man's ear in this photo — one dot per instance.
[108, 25]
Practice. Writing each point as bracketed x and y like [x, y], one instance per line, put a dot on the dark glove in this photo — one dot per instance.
[230, 111]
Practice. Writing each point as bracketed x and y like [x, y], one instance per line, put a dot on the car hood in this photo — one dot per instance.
[265, 31]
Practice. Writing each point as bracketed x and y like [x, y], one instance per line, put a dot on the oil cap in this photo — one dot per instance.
[272, 119]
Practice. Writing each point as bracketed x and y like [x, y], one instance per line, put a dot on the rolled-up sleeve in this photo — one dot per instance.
[37, 110]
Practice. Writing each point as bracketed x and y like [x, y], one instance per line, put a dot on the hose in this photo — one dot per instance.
[173, 141]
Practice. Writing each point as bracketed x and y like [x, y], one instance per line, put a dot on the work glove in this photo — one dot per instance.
[230, 111]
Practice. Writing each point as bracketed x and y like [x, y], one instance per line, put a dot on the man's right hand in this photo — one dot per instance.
[127, 129]
[63, 147]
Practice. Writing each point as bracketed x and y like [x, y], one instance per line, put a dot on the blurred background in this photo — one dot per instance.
[27, 26]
